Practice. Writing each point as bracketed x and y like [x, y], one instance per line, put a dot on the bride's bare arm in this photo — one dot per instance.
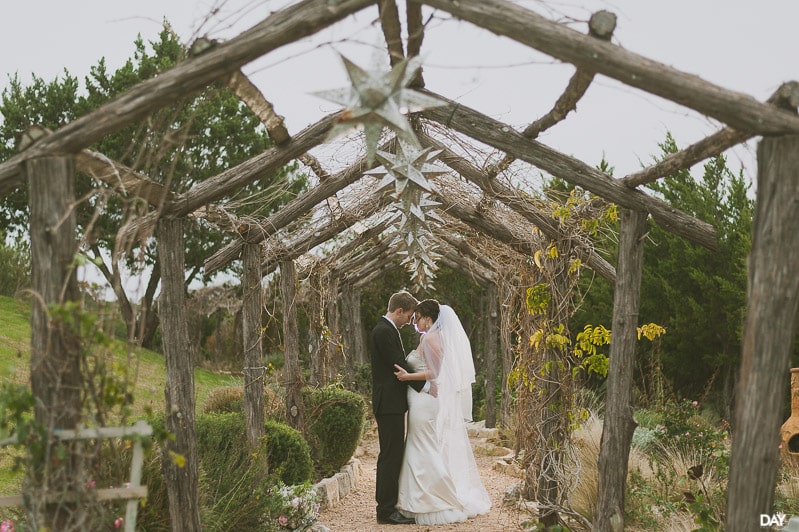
[405, 376]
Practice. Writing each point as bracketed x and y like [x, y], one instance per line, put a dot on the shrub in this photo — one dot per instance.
[15, 265]
[224, 400]
[227, 399]
[234, 483]
[288, 453]
[334, 420]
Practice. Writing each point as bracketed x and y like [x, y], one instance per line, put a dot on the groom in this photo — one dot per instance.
[390, 402]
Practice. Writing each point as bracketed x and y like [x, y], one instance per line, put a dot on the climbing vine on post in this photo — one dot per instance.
[548, 365]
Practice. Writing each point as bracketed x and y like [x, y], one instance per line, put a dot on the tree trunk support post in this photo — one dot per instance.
[491, 298]
[251, 306]
[769, 332]
[181, 480]
[291, 345]
[619, 424]
[56, 380]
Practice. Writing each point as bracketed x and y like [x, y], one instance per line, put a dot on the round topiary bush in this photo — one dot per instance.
[287, 453]
[334, 420]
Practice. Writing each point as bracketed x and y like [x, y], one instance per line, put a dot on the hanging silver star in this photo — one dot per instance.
[410, 165]
[411, 234]
[379, 99]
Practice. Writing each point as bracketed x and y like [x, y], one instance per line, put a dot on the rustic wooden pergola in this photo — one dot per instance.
[479, 204]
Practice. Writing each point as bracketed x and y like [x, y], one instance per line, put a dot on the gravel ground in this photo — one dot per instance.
[356, 513]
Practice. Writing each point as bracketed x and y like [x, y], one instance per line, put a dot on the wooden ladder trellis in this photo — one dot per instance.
[133, 491]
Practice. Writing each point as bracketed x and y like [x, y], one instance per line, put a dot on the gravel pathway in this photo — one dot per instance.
[356, 513]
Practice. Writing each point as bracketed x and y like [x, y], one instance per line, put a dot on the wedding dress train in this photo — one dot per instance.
[439, 481]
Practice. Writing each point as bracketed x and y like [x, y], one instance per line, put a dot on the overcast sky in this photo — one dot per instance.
[741, 45]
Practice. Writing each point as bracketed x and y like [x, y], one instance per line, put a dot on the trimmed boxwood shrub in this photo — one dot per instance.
[288, 453]
[334, 420]
[234, 484]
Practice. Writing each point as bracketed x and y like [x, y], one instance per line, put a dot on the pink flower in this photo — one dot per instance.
[118, 522]
[695, 403]
[283, 520]
[90, 484]
[7, 526]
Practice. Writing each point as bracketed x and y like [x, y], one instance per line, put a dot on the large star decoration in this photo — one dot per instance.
[410, 165]
[411, 235]
[379, 99]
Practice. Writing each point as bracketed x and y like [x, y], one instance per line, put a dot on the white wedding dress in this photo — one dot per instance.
[439, 481]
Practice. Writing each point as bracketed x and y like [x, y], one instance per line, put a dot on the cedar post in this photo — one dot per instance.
[349, 300]
[769, 333]
[181, 479]
[291, 346]
[619, 425]
[56, 380]
[253, 351]
[491, 297]
[507, 354]
[318, 348]
[334, 351]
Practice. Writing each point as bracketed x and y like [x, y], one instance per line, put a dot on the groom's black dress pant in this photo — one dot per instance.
[391, 433]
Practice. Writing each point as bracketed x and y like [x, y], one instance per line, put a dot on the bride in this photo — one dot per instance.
[439, 482]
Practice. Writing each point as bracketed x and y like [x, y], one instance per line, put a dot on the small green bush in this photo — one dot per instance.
[334, 420]
[234, 482]
[288, 453]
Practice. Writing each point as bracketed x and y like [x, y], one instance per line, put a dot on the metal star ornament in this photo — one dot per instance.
[410, 165]
[379, 99]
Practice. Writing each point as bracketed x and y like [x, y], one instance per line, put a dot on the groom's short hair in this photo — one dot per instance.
[403, 300]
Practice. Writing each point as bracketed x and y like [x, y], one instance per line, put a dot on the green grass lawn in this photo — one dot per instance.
[146, 370]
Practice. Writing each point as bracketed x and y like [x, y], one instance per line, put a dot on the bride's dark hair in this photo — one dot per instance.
[429, 308]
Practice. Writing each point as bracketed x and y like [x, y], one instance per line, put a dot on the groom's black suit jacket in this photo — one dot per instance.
[385, 349]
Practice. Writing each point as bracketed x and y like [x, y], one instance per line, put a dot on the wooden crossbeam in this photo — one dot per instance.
[786, 96]
[283, 27]
[735, 109]
[600, 26]
[503, 137]
[509, 197]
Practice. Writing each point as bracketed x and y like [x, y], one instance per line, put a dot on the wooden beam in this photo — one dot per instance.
[390, 22]
[283, 27]
[699, 151]
[413, 13]
[617, 432]
[290, 212]
[492, 228]
[786, 97]
[231, 180]
[503, 137]
[600, 26]
[769, 333]
[254, 99]
[509, 197]
[121, 178]
[735, 109]
[282, 251]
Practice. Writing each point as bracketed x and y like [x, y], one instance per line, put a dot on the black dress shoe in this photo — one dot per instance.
[396, 519]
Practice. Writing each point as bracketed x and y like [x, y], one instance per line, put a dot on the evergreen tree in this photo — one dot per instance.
[177, 146]
[699, 295]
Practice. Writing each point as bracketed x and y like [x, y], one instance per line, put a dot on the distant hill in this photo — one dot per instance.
[146, 367]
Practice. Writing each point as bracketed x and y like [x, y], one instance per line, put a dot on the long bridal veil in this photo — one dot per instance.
[454, 380]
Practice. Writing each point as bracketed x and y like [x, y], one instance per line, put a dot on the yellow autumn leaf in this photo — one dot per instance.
[177, 459]
[537, 259]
